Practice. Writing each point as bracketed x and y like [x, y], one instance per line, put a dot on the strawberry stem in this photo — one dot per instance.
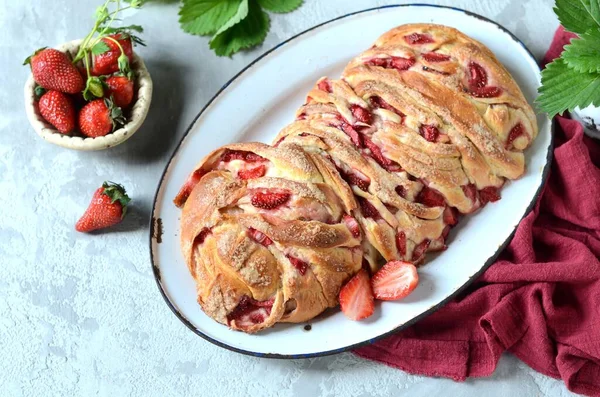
[116, 192]
[102, 16]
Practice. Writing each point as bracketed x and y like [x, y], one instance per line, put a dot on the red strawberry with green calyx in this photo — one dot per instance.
[107, 208]
[99, 118]
[121, 90]
[57, 109]
[114, 60]
[53, 70]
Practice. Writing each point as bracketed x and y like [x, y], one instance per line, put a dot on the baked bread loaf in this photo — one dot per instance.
[378, 165]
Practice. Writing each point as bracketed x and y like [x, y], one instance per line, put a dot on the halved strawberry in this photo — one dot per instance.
[431, 197]
[435, 57]
[356, 297]
[450, 216]
[355, 178]
[478, 76]
[487, 92]
[300, 265]
[420, 250]
[259, 237]
[489, 194]
[367, 209]
[478, 81]
[249, 312]
[252, 172]
[395, 280]
[324, 85]
[269, 200]
[470, 191]
[429, 132]
[248, 157]
[401, 190]
[361, 114]
[187, 188]
[418, 38]
[399, 63]
[352, 225]
[379, 102]
[514, 133]
[352, 133]
[401, 243]
[202, 236]
[376, 152]
[383, 62]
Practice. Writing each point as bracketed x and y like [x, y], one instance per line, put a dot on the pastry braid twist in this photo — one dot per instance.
[377, 166]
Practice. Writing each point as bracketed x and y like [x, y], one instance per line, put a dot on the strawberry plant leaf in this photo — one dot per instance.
[563, 88]
[246, 29]
[100, 48]
[206, 17]
[583, 54]
[578, 16]
[280, 6]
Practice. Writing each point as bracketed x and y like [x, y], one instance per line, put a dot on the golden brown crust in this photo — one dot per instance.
[422, 126]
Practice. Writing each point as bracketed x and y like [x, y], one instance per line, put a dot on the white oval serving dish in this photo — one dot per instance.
[262, 99]
[137, 113]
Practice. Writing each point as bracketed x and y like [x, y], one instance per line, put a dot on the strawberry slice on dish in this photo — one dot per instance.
[395, 280]
[356, 297]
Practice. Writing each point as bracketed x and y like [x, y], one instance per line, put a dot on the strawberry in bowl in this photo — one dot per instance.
[93, 93]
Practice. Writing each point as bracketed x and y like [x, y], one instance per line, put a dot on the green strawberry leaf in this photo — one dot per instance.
[28, 59]
[578, 16]
[563, 88]
[116, 192]
[247, 28]
[206, 17]
[100, 48]
[280, 6]
[583, 54]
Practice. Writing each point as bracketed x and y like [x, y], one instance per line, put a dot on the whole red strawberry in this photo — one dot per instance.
[53, 70]
[121, 89]
[108, 207]
[99, 117]
[108, 62]
[57, 108]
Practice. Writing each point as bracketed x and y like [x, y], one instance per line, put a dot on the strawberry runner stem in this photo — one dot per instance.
[102, 15]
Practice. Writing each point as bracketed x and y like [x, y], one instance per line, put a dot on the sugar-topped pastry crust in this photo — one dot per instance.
[378, 165]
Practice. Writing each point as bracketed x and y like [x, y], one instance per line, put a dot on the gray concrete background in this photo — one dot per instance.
[80, 315]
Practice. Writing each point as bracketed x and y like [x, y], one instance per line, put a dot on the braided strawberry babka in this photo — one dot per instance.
[377, 167]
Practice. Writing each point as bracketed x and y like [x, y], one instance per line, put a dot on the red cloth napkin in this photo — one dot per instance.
[540, 300]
